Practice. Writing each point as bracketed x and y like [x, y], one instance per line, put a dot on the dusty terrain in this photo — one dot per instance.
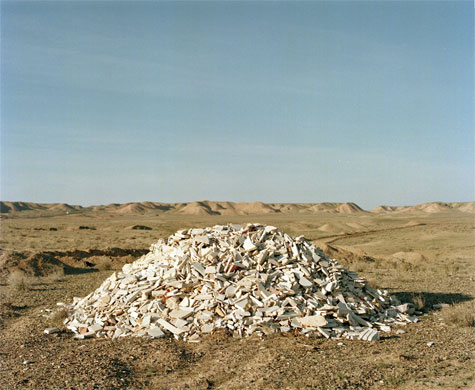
[424, 254]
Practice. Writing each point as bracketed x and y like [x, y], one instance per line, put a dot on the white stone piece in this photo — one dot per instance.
[169, 327]
[248, 245]
[51, 330]
[156, 333]
[95, 328]
[184, 312]
[316, 321]
[304, 282]
[202, 239]
[207, 328]
[369, 334]
[199, 268]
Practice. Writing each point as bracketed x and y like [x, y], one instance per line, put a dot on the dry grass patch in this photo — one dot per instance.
[58, 317]
[105, 267]
[450, 267]
[54, 277]
[461, 315]
[419, 301]
[357, 265]
[375, 283]
[23, 282]
[19, 281]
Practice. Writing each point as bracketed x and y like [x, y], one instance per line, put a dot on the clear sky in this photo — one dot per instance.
[108, 101]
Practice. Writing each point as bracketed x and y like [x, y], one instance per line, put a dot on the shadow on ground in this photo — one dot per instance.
[431, 299]
[76, 271]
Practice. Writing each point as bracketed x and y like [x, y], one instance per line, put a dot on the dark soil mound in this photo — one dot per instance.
[35, 264]
[139, 227]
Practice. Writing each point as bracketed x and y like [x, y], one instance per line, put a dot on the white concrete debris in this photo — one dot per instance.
[51, 330]
[247, 279]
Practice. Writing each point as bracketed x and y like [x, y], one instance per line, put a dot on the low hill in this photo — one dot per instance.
[197, 208]
[384, 209]
[349, 208]
[254, 208]
[64, 207]
[131, 208]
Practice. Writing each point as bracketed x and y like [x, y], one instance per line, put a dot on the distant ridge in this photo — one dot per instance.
[207, 207]
[8, 207]
[429, 208]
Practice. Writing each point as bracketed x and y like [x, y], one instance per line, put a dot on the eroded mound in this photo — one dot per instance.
[31, 264]
[245, 279]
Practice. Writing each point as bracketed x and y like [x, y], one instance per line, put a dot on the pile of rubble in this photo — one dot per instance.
[246, 279]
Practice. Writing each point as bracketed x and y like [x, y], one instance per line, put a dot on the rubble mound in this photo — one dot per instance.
[246, 279]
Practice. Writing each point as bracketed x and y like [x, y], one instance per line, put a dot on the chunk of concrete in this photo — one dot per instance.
[315, 321]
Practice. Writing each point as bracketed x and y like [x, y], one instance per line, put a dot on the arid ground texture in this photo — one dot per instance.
[423, 254]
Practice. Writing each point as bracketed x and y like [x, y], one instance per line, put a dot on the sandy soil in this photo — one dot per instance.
[426, 257]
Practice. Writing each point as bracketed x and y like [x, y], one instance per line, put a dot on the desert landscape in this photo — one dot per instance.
[257, 195]
[421, 254]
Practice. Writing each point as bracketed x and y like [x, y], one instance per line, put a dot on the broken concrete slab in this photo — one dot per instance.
[51, 330]
[156, 333]
[316, 321]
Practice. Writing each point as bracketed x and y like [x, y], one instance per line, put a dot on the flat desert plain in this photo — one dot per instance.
[423, 254]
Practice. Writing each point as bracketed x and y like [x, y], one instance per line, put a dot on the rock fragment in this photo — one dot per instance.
[316, 321]
[369, 335]
[156, 333]
[51, 330]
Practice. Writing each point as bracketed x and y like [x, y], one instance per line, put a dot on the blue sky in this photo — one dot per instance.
[371, 102]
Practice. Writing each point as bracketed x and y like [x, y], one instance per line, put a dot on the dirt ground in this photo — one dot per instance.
[426, 258]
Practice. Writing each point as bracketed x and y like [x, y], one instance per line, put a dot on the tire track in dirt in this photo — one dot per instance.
[336, 237]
